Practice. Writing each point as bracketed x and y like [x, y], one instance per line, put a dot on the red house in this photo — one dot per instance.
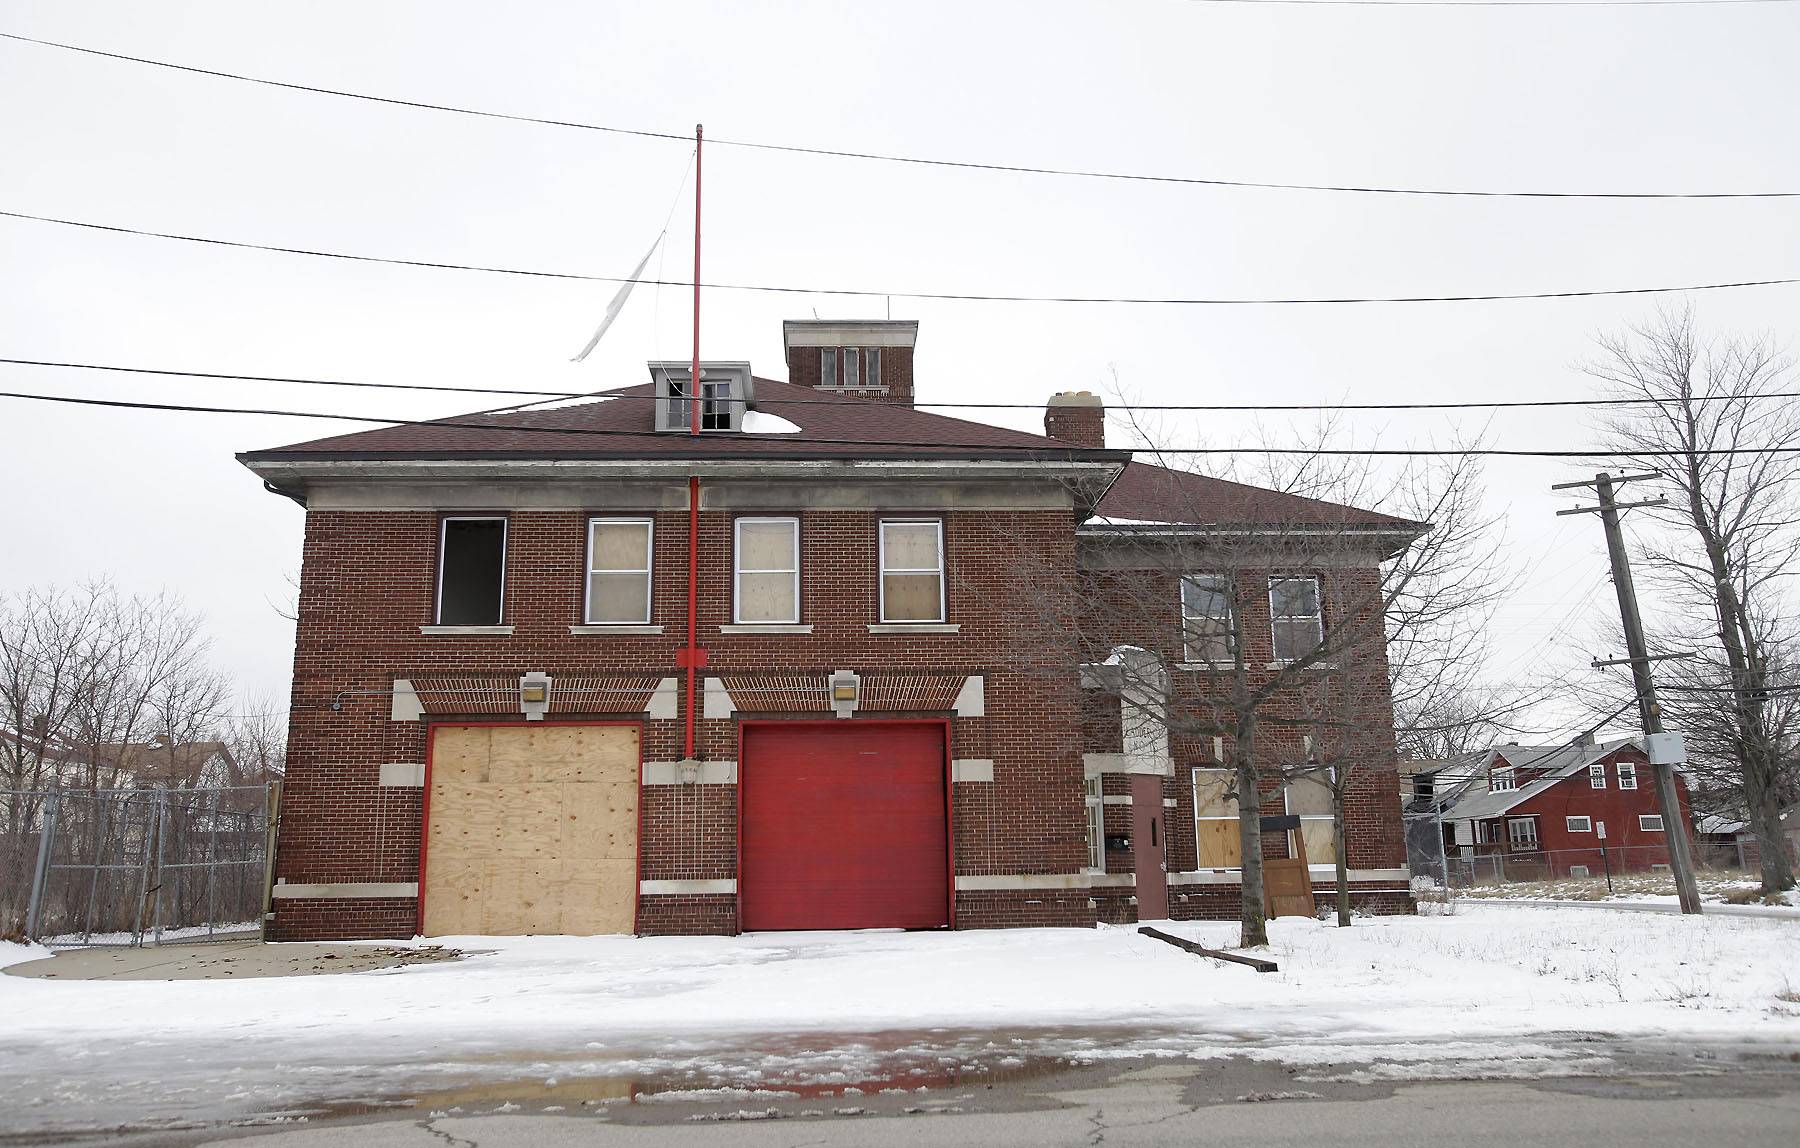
[1525, 812]
[669, 662]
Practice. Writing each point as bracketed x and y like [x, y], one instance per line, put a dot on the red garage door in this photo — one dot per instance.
[844, 827]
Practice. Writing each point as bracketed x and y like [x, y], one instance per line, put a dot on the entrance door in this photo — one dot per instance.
[1150, 847]
[531, 829]
[844, 826]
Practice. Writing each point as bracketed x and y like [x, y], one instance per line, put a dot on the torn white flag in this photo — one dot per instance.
[618, 302]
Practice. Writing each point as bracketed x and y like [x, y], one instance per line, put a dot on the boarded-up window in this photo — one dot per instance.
[1206, 618]
[1296, 623]
[618, 591]
[1216, 820]
[1310, 798]
[912, 571]
[768, 570]
[471, 571]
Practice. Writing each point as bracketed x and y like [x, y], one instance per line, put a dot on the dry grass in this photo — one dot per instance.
[1732, 887]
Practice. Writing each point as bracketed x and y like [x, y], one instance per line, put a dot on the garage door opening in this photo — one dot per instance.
[844, 825]
[530, 829]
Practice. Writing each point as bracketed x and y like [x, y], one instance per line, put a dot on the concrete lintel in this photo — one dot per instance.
[691, 887]
[994, 882]
[971, 700]
[711, 773]
[406, 704]
[403, 774]
[346, 890]
[972, 769]
[715, 700]
[1095, 764]
[665, 701]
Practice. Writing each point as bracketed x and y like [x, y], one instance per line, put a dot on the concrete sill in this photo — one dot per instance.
[915, 627]
[601, 630]
[1319, 666]
[1205, 667]
[466, 631]
[767, 628]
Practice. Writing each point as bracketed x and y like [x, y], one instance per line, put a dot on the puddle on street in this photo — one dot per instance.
[873, 1069]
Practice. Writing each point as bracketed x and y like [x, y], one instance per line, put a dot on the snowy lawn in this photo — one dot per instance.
[1654, 888]
[1506, 989]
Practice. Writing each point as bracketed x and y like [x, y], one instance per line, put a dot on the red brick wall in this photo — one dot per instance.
[896, 374]
[367, 585]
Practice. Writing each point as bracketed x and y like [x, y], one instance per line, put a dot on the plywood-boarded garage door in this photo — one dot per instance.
[531, 829]
[844, 827]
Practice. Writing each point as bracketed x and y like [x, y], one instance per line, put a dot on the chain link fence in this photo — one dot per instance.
[134, 866]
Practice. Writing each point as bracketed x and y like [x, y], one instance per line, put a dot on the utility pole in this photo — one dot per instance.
[1658, 746]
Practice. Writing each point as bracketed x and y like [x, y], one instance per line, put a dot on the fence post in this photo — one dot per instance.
[40, 876]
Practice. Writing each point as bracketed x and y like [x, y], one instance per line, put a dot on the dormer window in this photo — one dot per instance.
[725, 394]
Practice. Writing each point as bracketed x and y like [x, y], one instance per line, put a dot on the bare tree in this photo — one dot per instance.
[1707, 416]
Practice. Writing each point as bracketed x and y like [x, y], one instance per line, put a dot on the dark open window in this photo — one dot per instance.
[471, 571]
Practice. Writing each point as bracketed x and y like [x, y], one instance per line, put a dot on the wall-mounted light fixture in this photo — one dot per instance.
[534, 696]
[846, 692]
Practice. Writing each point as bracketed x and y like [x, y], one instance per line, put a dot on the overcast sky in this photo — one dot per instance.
[1634, 98]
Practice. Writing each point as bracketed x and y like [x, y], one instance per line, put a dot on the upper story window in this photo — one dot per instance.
[471, 582]
[766, 578]
[1627, 775]
[1502, 778]
[1650, 822]
[850, 368]
[1296, 621]
[618, 579]
[912, 570]
[1206, 622]
[1597, 775]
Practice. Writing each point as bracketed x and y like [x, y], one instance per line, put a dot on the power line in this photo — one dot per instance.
[939, 296]
[1495, 3]
[610, 396]
[1009, 169]
[797, 440]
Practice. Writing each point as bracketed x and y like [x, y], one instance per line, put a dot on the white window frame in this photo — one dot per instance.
[1645, 818]
[852, 360]
[1586, 824]
[437, 606]
[587, 592]
[1094, 805]
[1597, 775]
[1318, 618]
[828, 358]
[1503, 780]
[882, 571]
[871, 369]
[1514, 840]
[1628, 775]
[737, 571]
[1194, 796]
[1222, 586]
[1484, 833]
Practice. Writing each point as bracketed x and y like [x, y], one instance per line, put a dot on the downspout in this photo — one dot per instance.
[692, 657]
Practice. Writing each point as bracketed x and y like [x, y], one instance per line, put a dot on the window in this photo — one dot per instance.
[1597, 775]
[828, 364]
[912, 570]
[1627, 775]
[1521, 833]
[1484, 833]
[872, 366]
[677, 411]
[1096, 824]
[1310, 798]
[618, 581]
[1296, 624]
[1578, 824]
[715, 405]
[1501, 778]
[1206, 622]
[1215, 820]
[1650, 822]
[471, 571]
[767, 584]
[852, 367]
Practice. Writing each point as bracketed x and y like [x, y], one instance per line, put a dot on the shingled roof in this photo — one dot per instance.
[618, 424]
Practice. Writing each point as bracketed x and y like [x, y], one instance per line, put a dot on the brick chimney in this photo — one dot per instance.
[862, 358]
[1077, 418]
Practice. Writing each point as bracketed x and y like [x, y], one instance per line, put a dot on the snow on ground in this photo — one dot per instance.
[1632, 888]
[1489, 985]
